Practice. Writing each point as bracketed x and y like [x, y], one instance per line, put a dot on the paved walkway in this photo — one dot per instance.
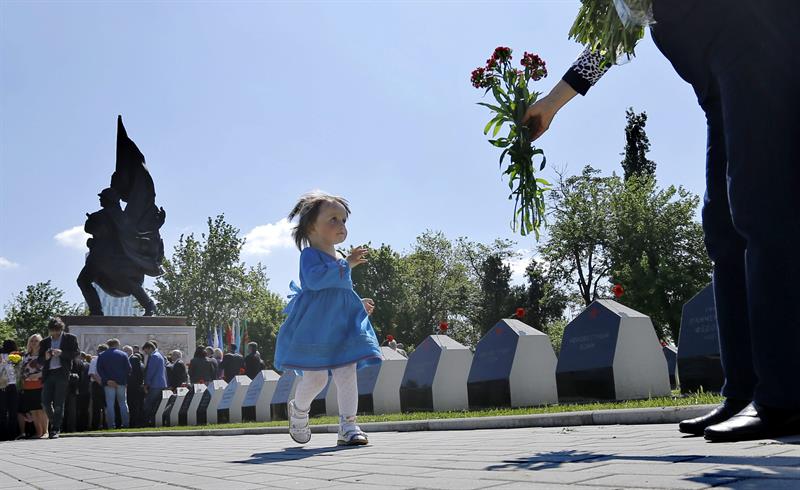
[575, 458]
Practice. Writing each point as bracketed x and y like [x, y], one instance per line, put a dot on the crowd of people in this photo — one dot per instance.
[51, 385]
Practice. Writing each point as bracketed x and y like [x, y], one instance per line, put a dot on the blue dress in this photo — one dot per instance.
[327, 326]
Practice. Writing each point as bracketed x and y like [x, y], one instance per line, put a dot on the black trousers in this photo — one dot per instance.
[98, 407]
[8, 412]
[741, 57]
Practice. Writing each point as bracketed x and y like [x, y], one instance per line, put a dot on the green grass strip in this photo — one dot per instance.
[676, 400]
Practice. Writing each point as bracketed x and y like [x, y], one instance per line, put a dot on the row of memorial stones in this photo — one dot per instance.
[609, 352]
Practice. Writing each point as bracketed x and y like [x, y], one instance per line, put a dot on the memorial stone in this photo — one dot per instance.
[699, 364]
[514, 366]
[229, 409]
[181, 394]
[611, 352]
[436, 376]
[379, 384]
[215, 390]
[167, 397]
[196, 414]
[256, 404]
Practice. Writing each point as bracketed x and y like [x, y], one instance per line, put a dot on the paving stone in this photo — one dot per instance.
[576, 458]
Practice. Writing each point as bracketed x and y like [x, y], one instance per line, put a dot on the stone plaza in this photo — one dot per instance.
[569, 458]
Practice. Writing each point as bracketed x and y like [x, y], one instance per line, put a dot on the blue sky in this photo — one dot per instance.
[240, 107]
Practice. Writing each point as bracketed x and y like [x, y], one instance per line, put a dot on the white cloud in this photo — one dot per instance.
[75, 238]
[263, 239]
[518, 262]
[7, 264]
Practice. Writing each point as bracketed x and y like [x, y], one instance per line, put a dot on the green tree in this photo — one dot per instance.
[7, 331]
[488, 268]
[205, 280]
[581, 232]
[658, 254]
[264, 321]
[384, 278]
[637, 144]
[544, 300]
[439, 289]
[30, 309]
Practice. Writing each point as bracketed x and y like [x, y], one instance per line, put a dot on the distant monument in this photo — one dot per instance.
[125, 244]
[699, 365]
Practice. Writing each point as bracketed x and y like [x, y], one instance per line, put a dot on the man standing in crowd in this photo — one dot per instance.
[98, 395]
[114, 367]
[232, 364]
[214, 362]
[56, 353]
[71, 415]
[252, 361]
[135, 387]
[84, 395]
[155, 380]
[218, 358]
[177, 374]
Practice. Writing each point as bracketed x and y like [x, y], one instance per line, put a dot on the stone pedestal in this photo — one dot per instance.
[215, 392]
[436, 376]
[514, 365]
[284, 391]
[167, 398]
[379, 385]
[181, 398]
[699, 364]
[324, 404]
[196, 410]
[256, 404]
[611, 352]
[171, 332]
[229, 409]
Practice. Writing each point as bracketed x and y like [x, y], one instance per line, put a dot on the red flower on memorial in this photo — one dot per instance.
[389, 338]
[241, 370]
[443, 327]
[520, 313]
[618, 291]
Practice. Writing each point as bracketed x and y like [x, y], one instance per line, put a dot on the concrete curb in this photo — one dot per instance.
[630, 416]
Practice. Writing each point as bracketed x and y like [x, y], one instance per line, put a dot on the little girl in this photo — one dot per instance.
[327, 327]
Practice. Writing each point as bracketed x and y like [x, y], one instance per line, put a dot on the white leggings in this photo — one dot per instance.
[313, 382]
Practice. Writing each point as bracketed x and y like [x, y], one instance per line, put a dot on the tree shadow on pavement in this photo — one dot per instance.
[293, 453]
[744, 468]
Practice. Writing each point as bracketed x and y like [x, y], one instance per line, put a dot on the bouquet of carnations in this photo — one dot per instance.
[509, 86]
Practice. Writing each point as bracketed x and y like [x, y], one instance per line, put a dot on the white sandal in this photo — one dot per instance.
[350, 434]
[298, 424]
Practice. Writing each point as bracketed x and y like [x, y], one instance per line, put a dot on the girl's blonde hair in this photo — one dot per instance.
[33, 337]
[307, 209]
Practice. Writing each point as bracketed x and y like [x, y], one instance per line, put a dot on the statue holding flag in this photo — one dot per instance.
[125, 244]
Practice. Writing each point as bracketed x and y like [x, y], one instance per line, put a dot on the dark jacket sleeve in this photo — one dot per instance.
[586, 71]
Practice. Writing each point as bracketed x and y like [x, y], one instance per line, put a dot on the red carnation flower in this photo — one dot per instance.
[618, 291]
[478, 77]
[443, 326]
[502, 53]
[534, 66]
[389, 338]
[520, 313]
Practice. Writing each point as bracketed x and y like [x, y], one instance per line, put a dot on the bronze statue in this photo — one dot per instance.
[125, 244]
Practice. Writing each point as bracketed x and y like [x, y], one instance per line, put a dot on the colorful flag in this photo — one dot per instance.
[245, 337]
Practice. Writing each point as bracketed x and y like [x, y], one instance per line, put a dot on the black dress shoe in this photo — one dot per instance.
[54, 434]
[755, 422]
[726, 410]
